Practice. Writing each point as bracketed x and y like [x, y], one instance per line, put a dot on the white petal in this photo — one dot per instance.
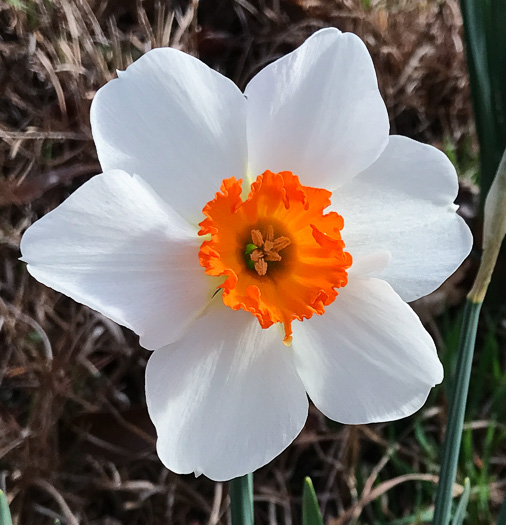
[367, 358]
[403, 204]
[317, 112]
[370, 263]
[116, 247]
[226, 399]
[175, 122]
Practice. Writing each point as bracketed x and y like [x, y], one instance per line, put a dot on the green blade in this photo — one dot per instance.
[484, 23]
[311, 514]
[460, 513]
[5, 513]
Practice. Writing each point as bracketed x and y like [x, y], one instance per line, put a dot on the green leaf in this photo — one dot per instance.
[311, 514]
[5, 513]
[460, 513]
[484, 22]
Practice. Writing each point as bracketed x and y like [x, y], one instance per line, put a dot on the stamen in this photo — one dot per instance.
[256, 237]
[267, 248]
[261, 266]
[270, 233]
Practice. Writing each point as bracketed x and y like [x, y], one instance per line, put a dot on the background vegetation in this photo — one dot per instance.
[75, 440]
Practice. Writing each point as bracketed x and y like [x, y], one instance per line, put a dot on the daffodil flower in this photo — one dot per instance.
[263, 244]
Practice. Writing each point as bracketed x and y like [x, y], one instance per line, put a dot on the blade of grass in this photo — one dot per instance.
[311, 514]
[5, 513]
[241, 500]
[460, 513]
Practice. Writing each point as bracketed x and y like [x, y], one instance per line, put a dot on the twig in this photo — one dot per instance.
[69, 516]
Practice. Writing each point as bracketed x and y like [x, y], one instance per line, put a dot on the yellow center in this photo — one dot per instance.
[282, 257]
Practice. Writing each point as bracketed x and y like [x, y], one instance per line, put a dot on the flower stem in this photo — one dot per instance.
[494, 231]
[241, 500]
[458, 400]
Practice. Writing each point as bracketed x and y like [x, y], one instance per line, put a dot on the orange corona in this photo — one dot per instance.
[282, 257]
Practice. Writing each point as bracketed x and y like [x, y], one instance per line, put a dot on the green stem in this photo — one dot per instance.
[241, 500]
[458, 400]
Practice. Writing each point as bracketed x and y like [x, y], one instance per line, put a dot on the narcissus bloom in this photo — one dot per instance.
[263, 244]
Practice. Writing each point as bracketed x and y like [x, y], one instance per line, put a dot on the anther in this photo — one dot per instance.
[267, 249]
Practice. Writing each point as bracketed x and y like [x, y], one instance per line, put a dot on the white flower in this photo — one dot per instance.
[225, 394]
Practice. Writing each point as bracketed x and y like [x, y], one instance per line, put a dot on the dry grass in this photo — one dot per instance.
[75, 440]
